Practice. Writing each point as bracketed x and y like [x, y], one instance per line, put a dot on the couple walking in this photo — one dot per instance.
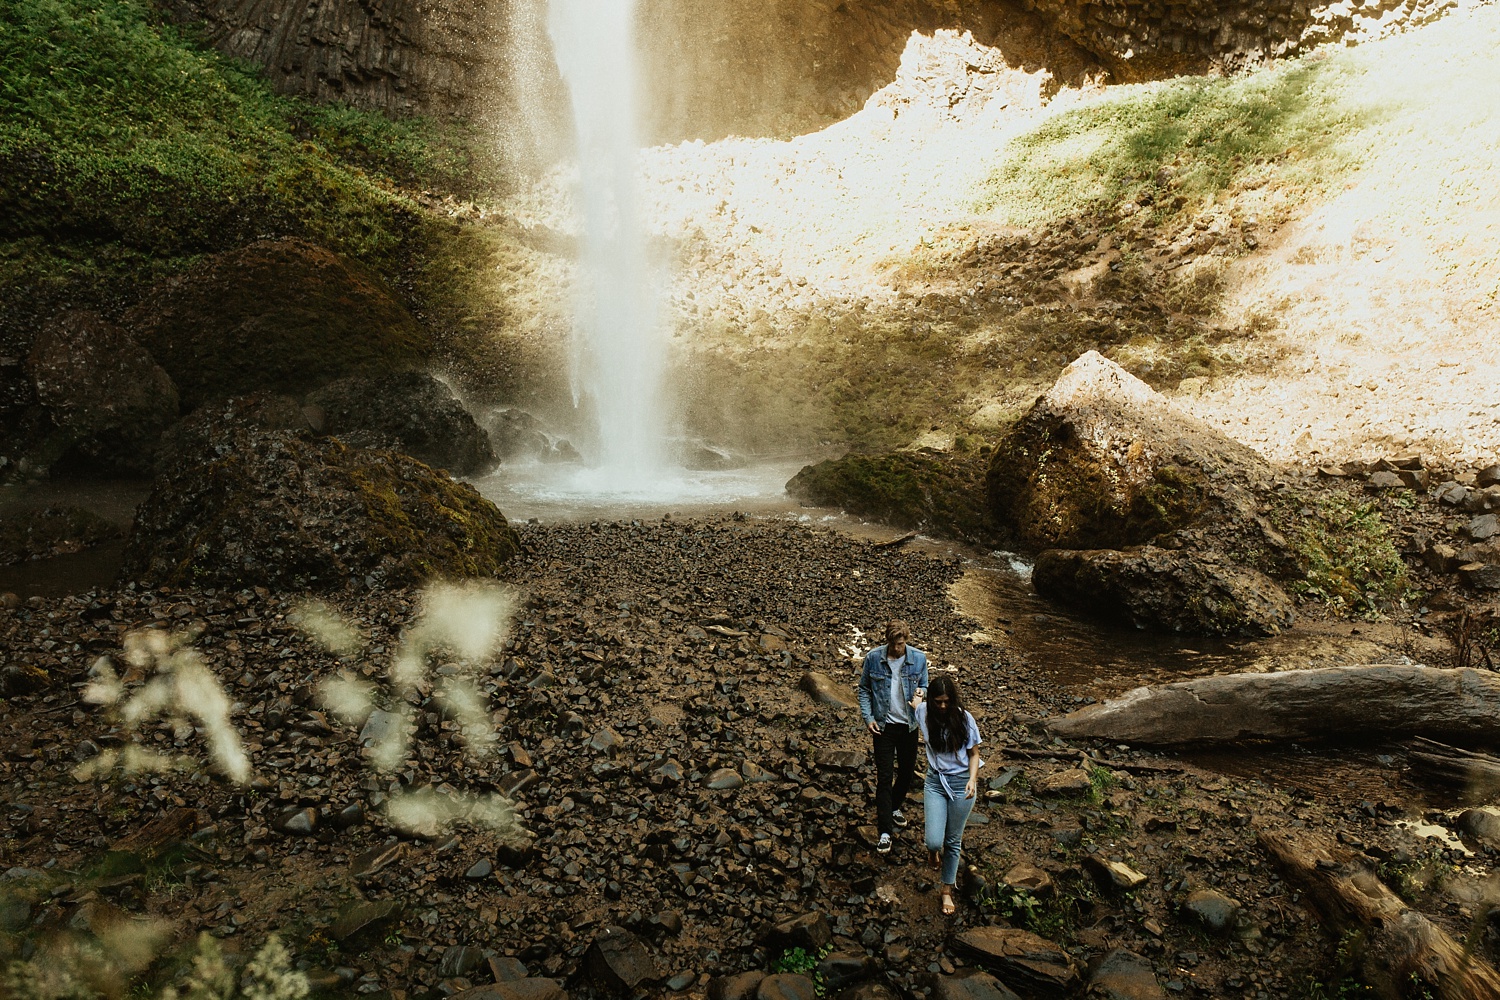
[897, 706]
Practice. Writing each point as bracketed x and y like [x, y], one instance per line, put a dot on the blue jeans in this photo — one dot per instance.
[946, 812]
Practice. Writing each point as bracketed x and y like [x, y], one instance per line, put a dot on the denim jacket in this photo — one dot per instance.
[875, 683]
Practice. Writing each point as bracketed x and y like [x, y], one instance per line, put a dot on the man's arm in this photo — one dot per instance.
[866, 699]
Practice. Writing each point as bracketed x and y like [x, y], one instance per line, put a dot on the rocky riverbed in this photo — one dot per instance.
[678, 787]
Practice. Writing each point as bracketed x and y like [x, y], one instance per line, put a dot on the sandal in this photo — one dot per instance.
[935, 859]
[948, 906]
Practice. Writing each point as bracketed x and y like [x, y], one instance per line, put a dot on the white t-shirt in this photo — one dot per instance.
[900, 710]
[955, 761]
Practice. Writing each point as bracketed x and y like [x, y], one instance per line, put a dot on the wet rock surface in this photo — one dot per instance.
[409, 412]
[286, 510]
[51, 531]
[107, 398]
[1180, 590]
[614, 629]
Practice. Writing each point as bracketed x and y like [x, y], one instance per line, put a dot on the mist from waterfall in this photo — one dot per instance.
[618, 354]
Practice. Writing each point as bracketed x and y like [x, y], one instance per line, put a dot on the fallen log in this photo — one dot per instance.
[1477, 774]
[1361, 701]
[1402, 948]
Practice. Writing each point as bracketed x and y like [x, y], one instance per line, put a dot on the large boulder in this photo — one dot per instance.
[1180, 590]
[411, 412]
[106, 396]
[290, 511]
[284, 315]
[1102, 460]
[926, 490]
[213, 430]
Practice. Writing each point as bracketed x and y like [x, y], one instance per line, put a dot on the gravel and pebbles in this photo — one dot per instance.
[686, 801]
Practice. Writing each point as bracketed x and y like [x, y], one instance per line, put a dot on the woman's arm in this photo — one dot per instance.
[972, 788]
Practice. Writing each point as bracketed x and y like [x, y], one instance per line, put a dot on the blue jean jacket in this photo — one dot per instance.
[875, 683]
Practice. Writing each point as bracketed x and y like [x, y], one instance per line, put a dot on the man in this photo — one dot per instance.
[891, 683]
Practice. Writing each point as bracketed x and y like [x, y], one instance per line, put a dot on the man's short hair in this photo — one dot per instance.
[896, 629]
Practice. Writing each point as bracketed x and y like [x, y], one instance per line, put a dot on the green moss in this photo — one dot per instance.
[1174, 146]
[1346, 554]
[924, 490]
[1173, 497]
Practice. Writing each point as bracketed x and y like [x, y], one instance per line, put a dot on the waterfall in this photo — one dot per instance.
[618, 354]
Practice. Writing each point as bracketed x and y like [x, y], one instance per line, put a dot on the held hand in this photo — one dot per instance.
[972, 788]
[874, 727]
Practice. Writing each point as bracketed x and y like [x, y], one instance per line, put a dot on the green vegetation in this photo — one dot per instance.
[126, 149]
[1167, 147]
[1345, 552]
[803, 962]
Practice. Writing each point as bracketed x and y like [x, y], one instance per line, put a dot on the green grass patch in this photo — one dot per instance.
[1171, 146]
[1346, 554]
[127, 149]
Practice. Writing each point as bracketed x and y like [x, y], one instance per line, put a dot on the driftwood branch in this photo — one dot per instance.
[895, 542]
[1369, 701]
[1402, 948]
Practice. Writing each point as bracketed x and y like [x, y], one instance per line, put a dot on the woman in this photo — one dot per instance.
[953, 764]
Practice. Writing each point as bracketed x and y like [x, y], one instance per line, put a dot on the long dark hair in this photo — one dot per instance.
[947, 730]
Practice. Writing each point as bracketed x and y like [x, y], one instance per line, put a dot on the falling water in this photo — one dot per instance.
[617, 355]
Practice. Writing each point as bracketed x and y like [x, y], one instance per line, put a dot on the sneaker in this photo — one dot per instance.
[899, 818]
[884, 844]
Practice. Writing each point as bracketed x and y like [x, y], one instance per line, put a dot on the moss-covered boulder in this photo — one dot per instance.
[926, 490]
[1102, 460]
[411, 412]
[290, 511]
[282, 315]
[106, 397]
[1183, 590]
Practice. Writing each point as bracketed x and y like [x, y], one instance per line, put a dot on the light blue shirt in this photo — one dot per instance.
[955, 761]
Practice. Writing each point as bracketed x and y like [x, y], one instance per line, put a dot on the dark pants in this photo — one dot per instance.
[895, 758]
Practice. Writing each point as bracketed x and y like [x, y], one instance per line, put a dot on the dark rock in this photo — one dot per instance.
[483, 868]
[809, 931]
[924, 490]
[291, 513]
[459, 960]
[1103, 460]
[754, 773]
[737, 987]
[20, 679]
[410, 412]
[1481, 576]
[108, 398]
[515, 989]
[517, 434]
[1067, 836]
[15, 915]
[51, 531]
[838, 970]
[1442, 558]
[1214, 910]
[1032, 963]
[849, 761]
[786, 986]
[350, 815]
[619, 960]
[506, 970]
[605, 741]
[825, 691]
[1199, 593]
[1484, 527]
[1482, 824]
[1378, 481]
[681, 981]
[665, 922]
[868, 991]
[299, 821]
[1124, 975]
[972, 985]
[1488, 476]
[723, 779]
[360, 923]
[213, 431]
[283, 315]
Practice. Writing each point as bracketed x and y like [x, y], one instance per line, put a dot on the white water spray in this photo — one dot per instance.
[618, 355]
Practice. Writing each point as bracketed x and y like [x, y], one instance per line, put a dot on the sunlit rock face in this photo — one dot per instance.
[774, 67]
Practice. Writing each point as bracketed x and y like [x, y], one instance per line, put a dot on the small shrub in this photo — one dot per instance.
[1346, 555]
